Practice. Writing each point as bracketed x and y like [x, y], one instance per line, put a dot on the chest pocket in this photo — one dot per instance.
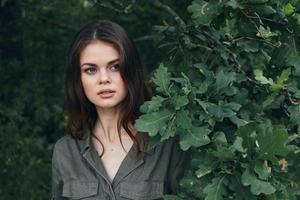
[146, 190]
[80, 189]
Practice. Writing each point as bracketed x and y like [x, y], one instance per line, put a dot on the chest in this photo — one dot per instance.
[113, 155]
[112, 160]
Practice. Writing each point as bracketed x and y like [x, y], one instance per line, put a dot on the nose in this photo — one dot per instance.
[104, 77]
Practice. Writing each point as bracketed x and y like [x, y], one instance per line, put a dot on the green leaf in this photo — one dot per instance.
[265, 32]
[204, 12]
[248, 45]
[224, 153]
[233, 106]
[293, 88]
[238, 145]
[289, 9]
[261, 169]
[284, 76]
[256, 186]
[204, 163]
[203, 170]
[241, 192]
[219, 138]
[221, 110]
[185, 83]
[183, 120]
[203, 104]
[294, 111]
[152, 122]
[162, 79]
[260, 77]
[293, 58]
[267, 10]
[234, 4]
[195, 136]
[179, 101]
[224, 79]
[153, 105]
[248, 134]
[216, 189]
[238, 121]
[272, 143]
[270, 99]
[168, 131]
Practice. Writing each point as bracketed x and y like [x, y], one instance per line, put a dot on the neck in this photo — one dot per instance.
[107, 124]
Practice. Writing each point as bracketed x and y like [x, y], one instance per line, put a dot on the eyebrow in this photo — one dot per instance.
[109, 63]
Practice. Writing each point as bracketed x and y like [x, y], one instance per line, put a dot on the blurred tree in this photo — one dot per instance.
[228, 63]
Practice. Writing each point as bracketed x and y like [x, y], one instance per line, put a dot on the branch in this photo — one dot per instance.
[293, 101]
[250, 19]
[255, 39]
[146, 37]
[265, 19]
[109, 7]
[210, 36]
[159, 4]
[239, 68]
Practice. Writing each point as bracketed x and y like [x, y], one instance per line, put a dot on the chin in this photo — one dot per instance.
[107, 106]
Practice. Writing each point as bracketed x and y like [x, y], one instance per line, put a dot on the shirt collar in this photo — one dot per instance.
[85, 142]
[147, 144]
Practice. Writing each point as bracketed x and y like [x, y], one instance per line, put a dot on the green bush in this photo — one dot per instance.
[229, 87]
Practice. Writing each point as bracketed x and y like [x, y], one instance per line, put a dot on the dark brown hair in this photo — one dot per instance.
[82, 113]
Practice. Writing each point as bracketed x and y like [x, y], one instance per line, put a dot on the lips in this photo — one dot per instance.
[106, 93]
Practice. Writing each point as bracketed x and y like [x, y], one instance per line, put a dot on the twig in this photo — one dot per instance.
[146, 37]
[109, 7]
[294, 102]
[264, 18]
[259, 40]
[250, 19]
[159, 4]
[239, 68]
[211, 37]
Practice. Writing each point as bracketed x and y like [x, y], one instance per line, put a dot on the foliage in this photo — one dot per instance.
[228, 86]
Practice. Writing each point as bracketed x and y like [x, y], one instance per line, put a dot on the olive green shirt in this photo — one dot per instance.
[78, 173]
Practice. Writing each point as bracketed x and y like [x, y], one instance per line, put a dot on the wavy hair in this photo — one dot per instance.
[82, 114]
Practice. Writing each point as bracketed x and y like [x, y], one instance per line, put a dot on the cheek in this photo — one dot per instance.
[86, 85]
[124, 87]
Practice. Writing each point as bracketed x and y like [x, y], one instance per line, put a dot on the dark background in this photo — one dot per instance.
[34, 37]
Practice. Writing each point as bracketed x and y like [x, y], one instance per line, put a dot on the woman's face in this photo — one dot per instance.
[100, 75]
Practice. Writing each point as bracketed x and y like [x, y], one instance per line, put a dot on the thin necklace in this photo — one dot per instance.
[100, 155]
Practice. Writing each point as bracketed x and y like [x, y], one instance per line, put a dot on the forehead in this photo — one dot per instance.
[99, 51]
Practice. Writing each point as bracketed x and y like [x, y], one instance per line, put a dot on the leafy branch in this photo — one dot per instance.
[159, 4]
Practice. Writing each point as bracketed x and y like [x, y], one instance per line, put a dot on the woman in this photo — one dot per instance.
[104, 157]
